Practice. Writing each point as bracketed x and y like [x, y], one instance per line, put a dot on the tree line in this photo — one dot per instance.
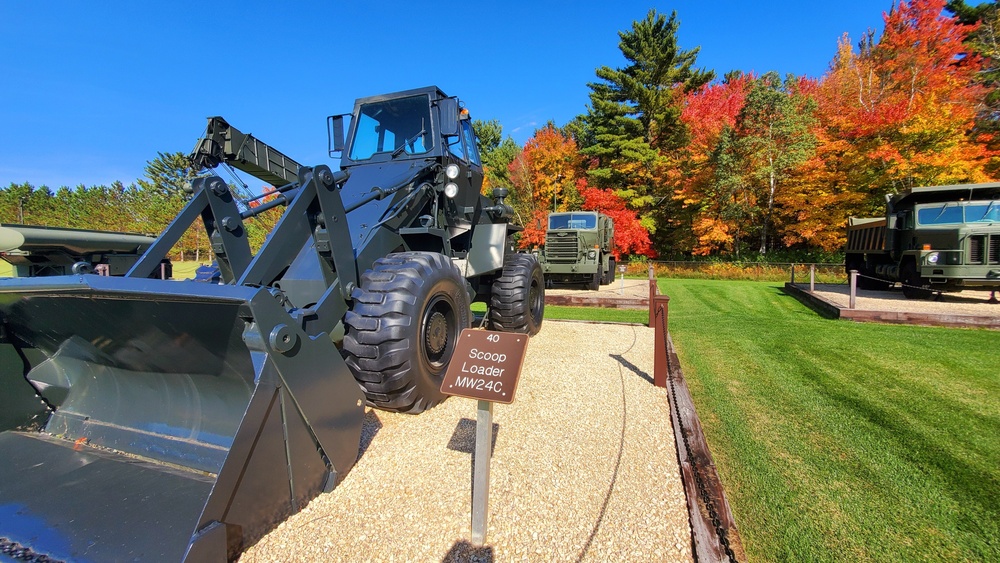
[752, 165]
[144, 207]
[689, 164]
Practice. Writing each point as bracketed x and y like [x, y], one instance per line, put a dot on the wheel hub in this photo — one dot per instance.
[436, 335]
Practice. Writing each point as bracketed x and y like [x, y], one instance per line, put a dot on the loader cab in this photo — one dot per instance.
[392, 128]
[413, 124]
[414, 137]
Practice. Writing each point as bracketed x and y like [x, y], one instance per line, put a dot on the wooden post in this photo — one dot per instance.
[653, 290]
[812, 278]
[793, 273]
[660, 368]
[854, 287]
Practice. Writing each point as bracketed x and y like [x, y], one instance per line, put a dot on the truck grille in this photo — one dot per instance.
[561, 248]
[976, 247]
[984, 249]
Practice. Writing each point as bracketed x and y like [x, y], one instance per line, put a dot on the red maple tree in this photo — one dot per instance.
[630, 236]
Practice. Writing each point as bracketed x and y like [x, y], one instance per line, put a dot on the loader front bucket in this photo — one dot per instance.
[157, 420]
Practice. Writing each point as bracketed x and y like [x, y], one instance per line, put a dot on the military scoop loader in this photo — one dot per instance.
[159, 420]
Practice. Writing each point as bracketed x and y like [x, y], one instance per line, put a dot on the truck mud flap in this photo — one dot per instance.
[158, 420]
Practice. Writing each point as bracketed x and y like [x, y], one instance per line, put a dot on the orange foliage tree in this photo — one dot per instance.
[544, 177]
[707, 113]
[907, 103]
[896, 114]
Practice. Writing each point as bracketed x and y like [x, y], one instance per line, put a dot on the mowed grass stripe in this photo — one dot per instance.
[841, 441]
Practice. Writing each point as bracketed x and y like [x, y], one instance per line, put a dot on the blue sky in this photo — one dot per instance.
[90, 91]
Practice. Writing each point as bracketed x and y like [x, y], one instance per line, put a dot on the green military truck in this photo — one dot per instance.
[578, 249]
[937, 238]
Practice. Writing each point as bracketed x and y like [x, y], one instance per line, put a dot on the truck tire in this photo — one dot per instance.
[595, 283]
[517, 303]
[609, 277]
[913, 284]
[866, 276]
[401, 332]
[873, 284]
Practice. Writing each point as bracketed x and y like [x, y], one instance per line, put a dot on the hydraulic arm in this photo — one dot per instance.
[224, 143]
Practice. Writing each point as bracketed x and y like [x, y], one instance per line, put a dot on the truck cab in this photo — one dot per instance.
[934, 238]
[579, 248]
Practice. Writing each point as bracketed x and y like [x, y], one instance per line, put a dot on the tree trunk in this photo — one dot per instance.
[770, 208]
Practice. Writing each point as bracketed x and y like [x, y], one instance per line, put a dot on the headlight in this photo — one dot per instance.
[932, 258]
[451, 171]
[451, 188]
[592, 254]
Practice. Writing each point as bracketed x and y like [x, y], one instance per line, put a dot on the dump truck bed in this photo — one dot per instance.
[866, 234]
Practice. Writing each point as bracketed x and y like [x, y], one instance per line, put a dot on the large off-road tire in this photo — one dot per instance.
[517, 303]
[913, 284]
[401, 332]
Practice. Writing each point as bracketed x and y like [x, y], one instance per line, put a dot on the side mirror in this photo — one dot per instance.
[335, 134]
[448, 114]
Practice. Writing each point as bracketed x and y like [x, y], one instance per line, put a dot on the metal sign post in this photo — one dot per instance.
[481, 475]
[485, 366]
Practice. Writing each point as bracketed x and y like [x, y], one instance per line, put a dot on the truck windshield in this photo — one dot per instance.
[957, 214]
[946, 214]
[578, 221]
[402, 125]
[983, 212]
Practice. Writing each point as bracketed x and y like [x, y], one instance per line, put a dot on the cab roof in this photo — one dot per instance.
[935, 194]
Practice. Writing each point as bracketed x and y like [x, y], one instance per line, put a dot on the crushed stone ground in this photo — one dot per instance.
[584, 468]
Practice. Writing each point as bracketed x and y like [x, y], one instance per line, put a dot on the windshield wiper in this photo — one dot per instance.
[987, 212]
[940, 213]
[409, 141]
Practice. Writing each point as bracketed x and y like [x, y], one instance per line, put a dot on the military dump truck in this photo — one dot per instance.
[578, 249]
[939, 238]
[160, 420]
[50, 251]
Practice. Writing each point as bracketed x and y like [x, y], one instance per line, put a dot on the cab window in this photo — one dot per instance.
[947, 214]
[470, 143]
[402, 124]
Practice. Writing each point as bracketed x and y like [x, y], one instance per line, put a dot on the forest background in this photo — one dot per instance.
[690, 164]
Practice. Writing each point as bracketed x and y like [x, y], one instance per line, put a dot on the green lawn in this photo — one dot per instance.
[840, 441]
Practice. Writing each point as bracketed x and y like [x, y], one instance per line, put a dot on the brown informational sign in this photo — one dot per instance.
[486, 365]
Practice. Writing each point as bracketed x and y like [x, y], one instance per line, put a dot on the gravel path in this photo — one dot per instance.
[584, 469]
[967, 302]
